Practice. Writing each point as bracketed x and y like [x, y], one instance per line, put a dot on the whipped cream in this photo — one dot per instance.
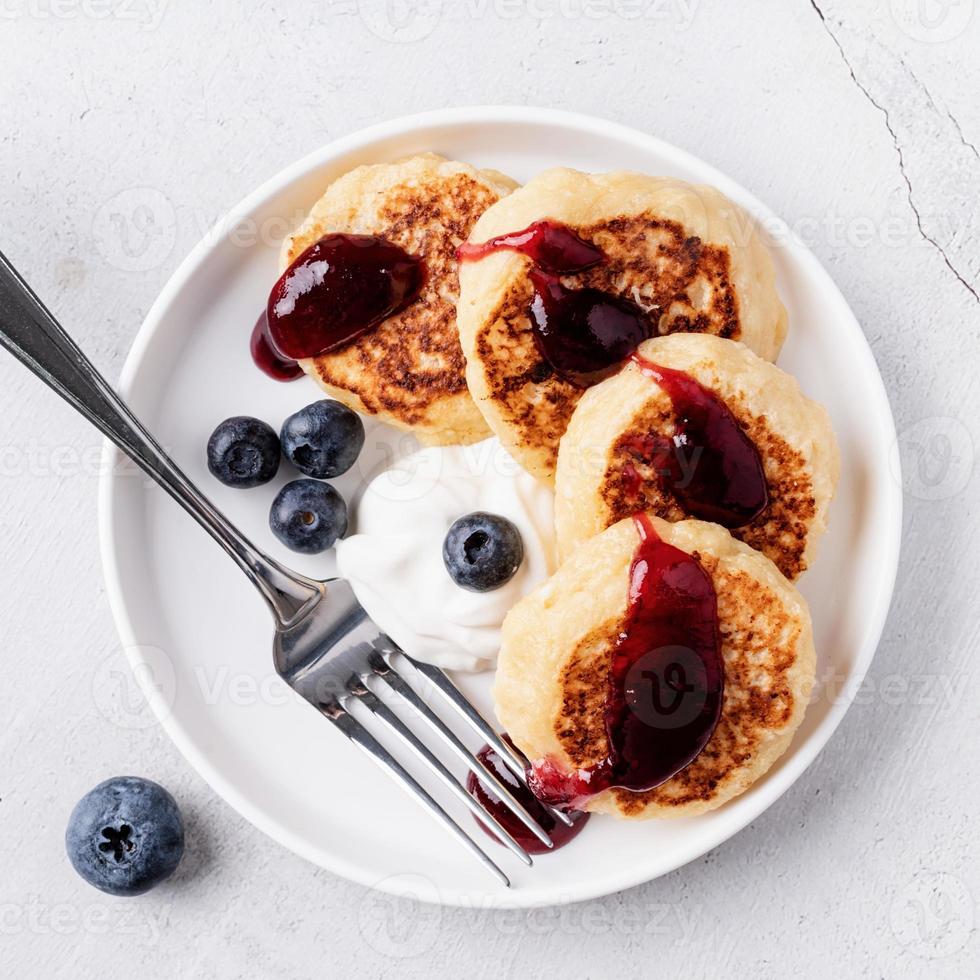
[394, 560]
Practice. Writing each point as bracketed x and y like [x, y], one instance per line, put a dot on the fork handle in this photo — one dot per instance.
[30, 332]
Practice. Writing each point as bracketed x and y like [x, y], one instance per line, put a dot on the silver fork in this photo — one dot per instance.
[326, 647]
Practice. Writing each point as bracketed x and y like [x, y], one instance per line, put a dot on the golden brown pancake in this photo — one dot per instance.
[685, 253]
[550, 688]
[602, 478]
[409, 370]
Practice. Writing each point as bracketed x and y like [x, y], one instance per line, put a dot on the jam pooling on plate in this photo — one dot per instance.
[584, 334]
[666, 679]
[709, 464]
[339, 288]
[559, 833]
[267, 358]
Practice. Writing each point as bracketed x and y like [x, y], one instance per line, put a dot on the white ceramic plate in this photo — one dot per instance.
[199, 639]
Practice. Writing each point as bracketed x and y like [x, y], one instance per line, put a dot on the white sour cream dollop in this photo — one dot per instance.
[394, 560]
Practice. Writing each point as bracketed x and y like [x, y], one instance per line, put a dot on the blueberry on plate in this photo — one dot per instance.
[243, 452]
[125, 836]
[482, 551]
[323, 440]
[308, 516]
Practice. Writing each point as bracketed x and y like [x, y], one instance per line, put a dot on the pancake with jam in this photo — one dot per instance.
[659, 672]
[408, 369]
[604, 261]
[696, 426]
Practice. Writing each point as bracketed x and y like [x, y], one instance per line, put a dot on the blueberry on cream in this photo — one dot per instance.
[482, 551]
[394, 558]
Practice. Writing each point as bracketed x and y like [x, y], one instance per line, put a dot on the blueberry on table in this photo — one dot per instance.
[308, 516]
[125, 836]
[243, 452]
[323, 440]
[482, 551]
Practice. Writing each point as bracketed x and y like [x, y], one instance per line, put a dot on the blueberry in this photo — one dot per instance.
[125, 836]
[243, 452]
[323, 440]
[482, 551]
[308, 516]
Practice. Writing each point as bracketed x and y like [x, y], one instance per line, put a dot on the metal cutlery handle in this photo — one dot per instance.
[34, 337]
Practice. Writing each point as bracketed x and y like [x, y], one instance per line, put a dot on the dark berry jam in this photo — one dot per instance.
[267, 358]
[339, 288]
[551, 246]
[584, 334]
[666, 679]
[710, 465]
[559, 833]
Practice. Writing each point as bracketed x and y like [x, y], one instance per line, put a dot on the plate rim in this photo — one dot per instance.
[403, 885]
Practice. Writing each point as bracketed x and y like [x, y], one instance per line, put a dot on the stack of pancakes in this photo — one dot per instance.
[461, 363]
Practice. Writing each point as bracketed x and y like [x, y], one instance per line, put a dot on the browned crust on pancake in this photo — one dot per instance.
[759, 642]
[649, 260]
[409, 370]
[413, 361]
[780, 532]
[584, 682]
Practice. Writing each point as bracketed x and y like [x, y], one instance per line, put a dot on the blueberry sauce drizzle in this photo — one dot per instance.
[551, 246]
[584, 334]
[709, 464]
[559, 833]
[335, 291]
[267, 359]
[666, 680]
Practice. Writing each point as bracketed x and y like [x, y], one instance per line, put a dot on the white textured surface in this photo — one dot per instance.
[129, 126]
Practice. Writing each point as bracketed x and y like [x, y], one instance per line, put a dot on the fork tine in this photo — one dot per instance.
[515, 762]
[356, 732]
[401, 686]
[373, 703]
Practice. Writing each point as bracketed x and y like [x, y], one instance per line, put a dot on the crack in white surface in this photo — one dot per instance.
[959, 132]
[898, 146]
